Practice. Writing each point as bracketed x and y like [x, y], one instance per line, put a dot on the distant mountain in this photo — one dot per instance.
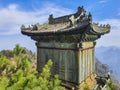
[110, 56]
[103, 69]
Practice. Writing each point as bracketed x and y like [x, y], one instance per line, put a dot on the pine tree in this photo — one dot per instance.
[18, 74]
[18, 49]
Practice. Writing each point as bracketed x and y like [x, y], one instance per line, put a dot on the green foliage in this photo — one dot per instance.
[18, 74]
[18, 49]
[86, 87]
[3, 83]
[7, 53]
[110, 85]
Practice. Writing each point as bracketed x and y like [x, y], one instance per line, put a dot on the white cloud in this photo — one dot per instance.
[103, 1]
[118, 11]
[11, 17]
[113, 38]
[113, 22]
[13, 6]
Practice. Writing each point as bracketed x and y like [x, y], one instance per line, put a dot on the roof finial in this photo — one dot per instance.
[90, 17]
[50, 18]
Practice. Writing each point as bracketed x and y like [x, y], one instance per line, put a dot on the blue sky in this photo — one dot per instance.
[14, 13]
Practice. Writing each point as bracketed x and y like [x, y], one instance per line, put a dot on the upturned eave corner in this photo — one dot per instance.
[76, 23]
[69, 41]
[100, 29]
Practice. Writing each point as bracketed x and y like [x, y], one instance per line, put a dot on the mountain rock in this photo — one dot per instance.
[111, 57]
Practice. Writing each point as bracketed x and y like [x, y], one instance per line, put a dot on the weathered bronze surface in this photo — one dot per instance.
[76, 26]
[69, 42]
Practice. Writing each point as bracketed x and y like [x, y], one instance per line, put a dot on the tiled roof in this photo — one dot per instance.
[73, 23]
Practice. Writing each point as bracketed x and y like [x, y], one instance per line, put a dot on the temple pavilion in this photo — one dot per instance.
[69, 41]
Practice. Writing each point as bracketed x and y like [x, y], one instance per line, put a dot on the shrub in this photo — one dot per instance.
[18, 74]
